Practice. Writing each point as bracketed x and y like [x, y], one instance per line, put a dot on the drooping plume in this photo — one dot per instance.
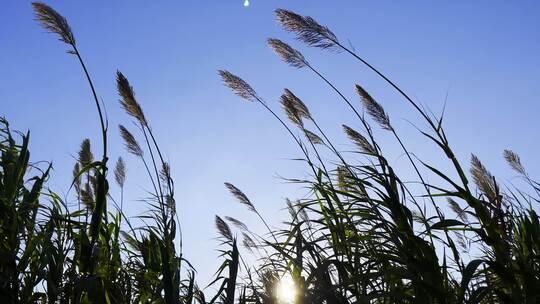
[514, 161]
[374, 109]
[238, 86]
[53, 22]
[307, 29]
[287, 53]
[361, 142]
[240, 196]
[223, 228]
[130, 142]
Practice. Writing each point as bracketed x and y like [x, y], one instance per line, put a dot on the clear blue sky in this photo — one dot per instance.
[483, 54]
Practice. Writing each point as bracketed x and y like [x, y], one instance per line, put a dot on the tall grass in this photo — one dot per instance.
[363, 235]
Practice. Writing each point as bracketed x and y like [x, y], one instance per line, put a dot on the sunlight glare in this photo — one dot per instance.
[246, 3]
[286, 290]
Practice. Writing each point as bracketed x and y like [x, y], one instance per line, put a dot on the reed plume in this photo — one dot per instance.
[483, 178]
[240, 196]
[374, 109]
[514, 161]
[361, 142]
[238, 86]
[314, 138]
[129, 102]
[130, 142]
[236, 222]
[85, 153]
[223, 228]
[307, 29]
[120, 172]
[287, 53]
[53, 22]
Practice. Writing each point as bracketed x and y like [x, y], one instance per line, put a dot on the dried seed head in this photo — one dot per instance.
[307, 29]
[120, 172]
[458, 210]
[314, 138]
[374, 109]
[299, 105]
[360, 141]
[238, 86]
[513, 160]
[239, 224]
[130, 142]
[290, 208]
[240, 196]
[85, 153]
[53, 22]
[287, 53]
[483, 178]
[128, 101]
[223, 228]
[248, 242]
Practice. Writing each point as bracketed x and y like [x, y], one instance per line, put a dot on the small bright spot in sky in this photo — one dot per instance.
[246, 3]
[286, 291]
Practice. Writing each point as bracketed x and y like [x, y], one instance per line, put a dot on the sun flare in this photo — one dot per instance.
[286, 290]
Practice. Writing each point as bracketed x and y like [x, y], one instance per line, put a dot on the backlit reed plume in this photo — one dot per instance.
[128, 101]
[248, 242]
[53, 22]
[514, 161]
[130, 142]
[223, 228]
[483, 178]
[85, 153]
[307, 29]
[238, 86]
[374, 109]
[120, 172]
[361, 142]
[462, 215]
[237, 223]
[240, 196]
[287, 53]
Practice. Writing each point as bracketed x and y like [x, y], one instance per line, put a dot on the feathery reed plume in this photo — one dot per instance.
[483, 178]
[120, 172]
[248, 242]
[298, 104]
[165, 173]
[85, 153]
[130, 142]
[291, 111]
[240, 196]
[128, 101]
[314, 138]
[359, 140]
[236, 222]
[458, 210]
[290, 208]
[77, 177]
[514, 161]
[307, 29]
[287, 53]
[223, 228]
[374, 109]
[238, 86]
[53, 22]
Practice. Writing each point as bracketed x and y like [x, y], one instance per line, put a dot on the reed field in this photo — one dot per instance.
[362, 235]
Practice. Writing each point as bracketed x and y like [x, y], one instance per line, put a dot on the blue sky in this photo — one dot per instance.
[483, 55]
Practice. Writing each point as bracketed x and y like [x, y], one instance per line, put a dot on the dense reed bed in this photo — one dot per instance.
[364, 235]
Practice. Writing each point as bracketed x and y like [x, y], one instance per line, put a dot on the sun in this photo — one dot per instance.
[286, 290]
